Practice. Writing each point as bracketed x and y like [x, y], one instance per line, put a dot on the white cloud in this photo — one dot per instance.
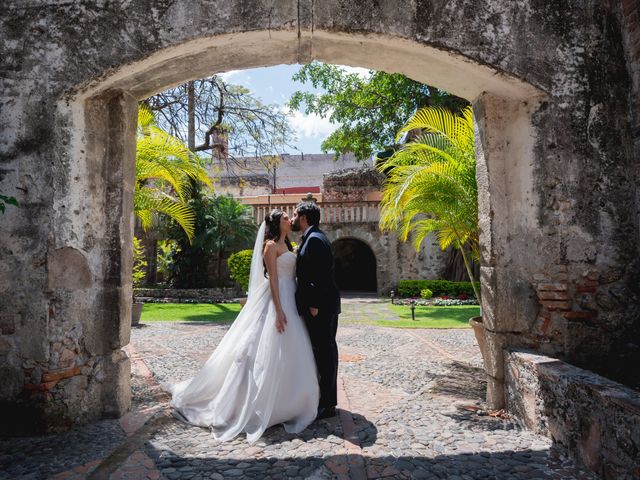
[309, 126]
[361, 72]
[236, 76]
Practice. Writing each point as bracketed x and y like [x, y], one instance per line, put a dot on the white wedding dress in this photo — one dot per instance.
[256, 377]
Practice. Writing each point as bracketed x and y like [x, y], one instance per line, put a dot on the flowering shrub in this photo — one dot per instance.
[447, 302]
[435, 302]
[407, 301]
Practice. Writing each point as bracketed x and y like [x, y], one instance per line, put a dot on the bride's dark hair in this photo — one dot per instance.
[272, 231]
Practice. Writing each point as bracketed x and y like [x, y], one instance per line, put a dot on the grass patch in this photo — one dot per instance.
[455, 316]
[190, 312]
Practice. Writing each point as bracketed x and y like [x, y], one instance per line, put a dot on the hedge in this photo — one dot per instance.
[412, 288]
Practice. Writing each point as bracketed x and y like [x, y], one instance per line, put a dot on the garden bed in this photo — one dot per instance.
[436, 301]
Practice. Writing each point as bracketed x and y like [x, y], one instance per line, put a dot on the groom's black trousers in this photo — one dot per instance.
[322, 332]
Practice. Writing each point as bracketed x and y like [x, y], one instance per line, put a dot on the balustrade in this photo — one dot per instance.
[331, 212]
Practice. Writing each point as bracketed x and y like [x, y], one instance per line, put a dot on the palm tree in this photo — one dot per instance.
[431, 183]
[230, 223]
[165, 172]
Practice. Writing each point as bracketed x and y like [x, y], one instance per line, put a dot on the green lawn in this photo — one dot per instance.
[426, 317]
[190, 312]
[456, 316]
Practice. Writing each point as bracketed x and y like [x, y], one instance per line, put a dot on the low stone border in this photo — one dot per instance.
[595, 419]
[187, 295]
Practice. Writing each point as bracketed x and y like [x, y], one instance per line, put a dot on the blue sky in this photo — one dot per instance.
[273, 85]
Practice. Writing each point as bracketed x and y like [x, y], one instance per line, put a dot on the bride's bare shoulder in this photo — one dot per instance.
[272, 248]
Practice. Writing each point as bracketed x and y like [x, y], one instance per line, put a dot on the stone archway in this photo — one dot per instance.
[355, 266]
[558, 237]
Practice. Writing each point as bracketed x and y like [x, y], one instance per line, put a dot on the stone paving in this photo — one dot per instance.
[411, 406]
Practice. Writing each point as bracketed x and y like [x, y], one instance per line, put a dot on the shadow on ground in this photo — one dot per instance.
[45, 455]
[525, 464]
[364, 432]
[462, 381]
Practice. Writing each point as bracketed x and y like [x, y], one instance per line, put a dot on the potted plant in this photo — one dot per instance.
[478, 331]
[139, 266]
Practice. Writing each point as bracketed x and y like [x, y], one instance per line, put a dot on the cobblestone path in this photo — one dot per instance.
[411, 406]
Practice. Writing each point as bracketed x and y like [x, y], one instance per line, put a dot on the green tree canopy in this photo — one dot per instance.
[370, 110]
[222, 225]
[230, 224]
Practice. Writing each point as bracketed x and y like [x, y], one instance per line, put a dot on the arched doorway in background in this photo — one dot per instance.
[355, 265]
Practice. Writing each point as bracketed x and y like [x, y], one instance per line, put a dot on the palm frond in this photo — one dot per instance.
[165, 170]
[148, 203]
[431, 184]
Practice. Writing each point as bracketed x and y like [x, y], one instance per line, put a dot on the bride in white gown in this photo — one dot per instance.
[263, 372]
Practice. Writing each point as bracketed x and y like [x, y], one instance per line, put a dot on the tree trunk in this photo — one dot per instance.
[467, 265]
[455, 269]
[150, 244]
[191, 109]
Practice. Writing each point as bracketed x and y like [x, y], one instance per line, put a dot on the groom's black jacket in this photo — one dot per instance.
[314, 271]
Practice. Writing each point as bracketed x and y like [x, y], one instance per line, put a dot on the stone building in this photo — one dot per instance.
[367, 260]
[555, 93]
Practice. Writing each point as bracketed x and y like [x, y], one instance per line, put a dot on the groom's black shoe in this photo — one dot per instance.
[326, 412]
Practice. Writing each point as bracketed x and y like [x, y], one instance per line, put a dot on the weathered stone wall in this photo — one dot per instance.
[549, 82]
[589, 299]
[65, 293]
[351, 184]
[630, 15]
[595, 419]
[631, 41]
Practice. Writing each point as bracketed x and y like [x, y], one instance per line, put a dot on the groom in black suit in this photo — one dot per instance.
[318, 300]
